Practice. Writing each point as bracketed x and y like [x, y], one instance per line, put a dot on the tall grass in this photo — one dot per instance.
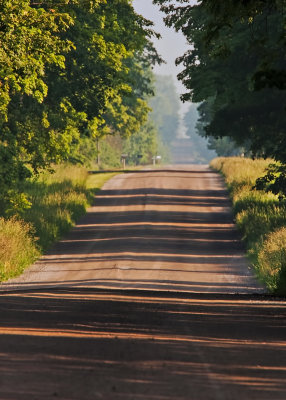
[57, 200]
[17, 247]
[260, 216]
[272, 260]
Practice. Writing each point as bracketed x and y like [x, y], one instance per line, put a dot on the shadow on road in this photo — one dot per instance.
[151, 171]
[104, 344]
[198, 236]
[178, 340]
[148, 233]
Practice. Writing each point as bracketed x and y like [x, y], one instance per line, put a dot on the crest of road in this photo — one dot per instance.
[149, 297]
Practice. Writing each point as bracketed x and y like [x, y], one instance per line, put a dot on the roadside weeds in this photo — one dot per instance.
[57, 200]
[260, 217]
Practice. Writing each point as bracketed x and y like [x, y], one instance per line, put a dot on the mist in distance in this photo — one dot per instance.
[184, 145]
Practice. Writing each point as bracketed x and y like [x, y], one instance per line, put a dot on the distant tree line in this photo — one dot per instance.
[165, 108]
[70, 72]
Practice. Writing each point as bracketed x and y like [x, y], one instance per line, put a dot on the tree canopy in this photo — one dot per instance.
[69, 70]
[236, 63]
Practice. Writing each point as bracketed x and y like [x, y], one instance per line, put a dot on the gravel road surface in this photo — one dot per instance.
[149, 297]
[167, 230]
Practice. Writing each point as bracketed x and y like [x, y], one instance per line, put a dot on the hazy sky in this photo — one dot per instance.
[172, 44]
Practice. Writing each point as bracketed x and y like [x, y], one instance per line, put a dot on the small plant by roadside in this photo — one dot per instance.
[260, 216]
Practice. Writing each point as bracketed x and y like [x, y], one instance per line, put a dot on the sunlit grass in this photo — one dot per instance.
[240, 173]
[17, 247]
[260, 216]
[97, 180]
[58, 200]
[272, 260]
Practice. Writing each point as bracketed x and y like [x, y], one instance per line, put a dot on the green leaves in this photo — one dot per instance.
[69, 70]
[29, 42]
[236, 65]
[273, 181]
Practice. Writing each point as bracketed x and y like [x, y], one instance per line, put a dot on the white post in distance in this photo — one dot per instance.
[123, 159]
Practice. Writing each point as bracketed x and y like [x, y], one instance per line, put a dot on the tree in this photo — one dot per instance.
[70, 71]
[29, 42]
[265, 20]
[200, 150]
[265, 37]
[223, 146]
[247, 98]
[142, 145]
[165, 106]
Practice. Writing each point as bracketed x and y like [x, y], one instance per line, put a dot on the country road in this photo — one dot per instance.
[169, 229]
[150, 297]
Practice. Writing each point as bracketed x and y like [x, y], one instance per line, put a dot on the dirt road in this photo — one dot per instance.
[149, 297]
[168, 229]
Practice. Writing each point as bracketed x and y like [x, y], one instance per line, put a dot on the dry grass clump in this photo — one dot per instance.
[17, 247]
[259, 215]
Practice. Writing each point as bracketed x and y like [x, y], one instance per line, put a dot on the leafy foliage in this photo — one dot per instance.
[216, 21]
[29, 42]
[237, 64]
[223, 146]
[142, 146]
[273, 181]
[69, 72]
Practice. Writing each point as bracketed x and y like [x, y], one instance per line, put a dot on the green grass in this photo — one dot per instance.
[97, 180]
[260, 217]
[17, 247]
[58, 200]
